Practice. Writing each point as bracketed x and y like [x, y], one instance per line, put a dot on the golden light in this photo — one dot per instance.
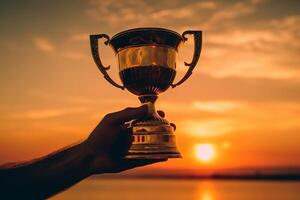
[205, 152]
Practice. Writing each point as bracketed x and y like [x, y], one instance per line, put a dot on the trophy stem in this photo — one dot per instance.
[150, 99]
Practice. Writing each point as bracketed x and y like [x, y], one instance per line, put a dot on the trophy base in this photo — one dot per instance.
[153, 156]
[153, 139]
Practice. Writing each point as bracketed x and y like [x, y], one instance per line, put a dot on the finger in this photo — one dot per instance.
[174, 126]
[126, 125]
[128, 132]
[128, 114]
[122, 144]
[161, 113]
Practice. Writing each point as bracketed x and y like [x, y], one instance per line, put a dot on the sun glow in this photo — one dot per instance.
[205, 152]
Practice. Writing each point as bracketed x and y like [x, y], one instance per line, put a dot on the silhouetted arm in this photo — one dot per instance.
[44, 177]
[102, 152]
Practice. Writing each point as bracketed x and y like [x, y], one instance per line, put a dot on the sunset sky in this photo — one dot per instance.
[241, 105]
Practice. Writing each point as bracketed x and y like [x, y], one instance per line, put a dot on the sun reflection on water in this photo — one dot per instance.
[206, 195]
[205, 191]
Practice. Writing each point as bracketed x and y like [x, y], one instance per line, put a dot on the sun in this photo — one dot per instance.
[205, 152]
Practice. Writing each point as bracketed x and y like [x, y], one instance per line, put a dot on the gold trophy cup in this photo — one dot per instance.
[147, 67]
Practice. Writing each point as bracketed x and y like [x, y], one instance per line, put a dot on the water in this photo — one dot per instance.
[145, 189]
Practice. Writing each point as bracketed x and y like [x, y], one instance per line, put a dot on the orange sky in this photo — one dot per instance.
[243, 97]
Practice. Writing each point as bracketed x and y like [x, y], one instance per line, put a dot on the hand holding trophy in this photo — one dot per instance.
[147, 67]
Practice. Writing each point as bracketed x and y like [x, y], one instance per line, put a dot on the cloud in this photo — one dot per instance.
[238, 89]
[179, 14]
[217, 106]
[79, 37]
[256, 117]
[236, 10]
[228, 13]
[200, 106]
[210, 128]
[44, 45]
[261, 49]
[260, 36]
[265, 49]
[46, 113]
[68, 50]
[75, 55]
[141, 13]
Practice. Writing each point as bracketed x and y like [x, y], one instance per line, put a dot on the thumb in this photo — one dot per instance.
[128, 114]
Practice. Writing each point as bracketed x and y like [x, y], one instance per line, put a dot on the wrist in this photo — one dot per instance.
[96, 162]
[86, 157]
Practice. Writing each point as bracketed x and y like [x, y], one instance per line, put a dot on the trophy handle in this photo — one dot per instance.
[95, 52]
[197, 50]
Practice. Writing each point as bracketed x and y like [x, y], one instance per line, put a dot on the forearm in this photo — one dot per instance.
[102, 152]
[48, 175]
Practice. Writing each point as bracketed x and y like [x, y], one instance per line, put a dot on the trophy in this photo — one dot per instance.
[147, 67]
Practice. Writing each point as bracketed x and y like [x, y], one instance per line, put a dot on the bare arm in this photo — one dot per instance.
[102, 152]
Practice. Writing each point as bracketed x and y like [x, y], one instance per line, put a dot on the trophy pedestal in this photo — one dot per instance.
[156, 141]
[153, 136]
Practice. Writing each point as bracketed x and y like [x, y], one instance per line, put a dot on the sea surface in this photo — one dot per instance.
[175, 189]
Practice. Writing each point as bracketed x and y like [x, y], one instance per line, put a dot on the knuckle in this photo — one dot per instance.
[128, 109]
[108, 117]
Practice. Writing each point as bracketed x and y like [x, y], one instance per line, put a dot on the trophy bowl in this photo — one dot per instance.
[147, 67]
